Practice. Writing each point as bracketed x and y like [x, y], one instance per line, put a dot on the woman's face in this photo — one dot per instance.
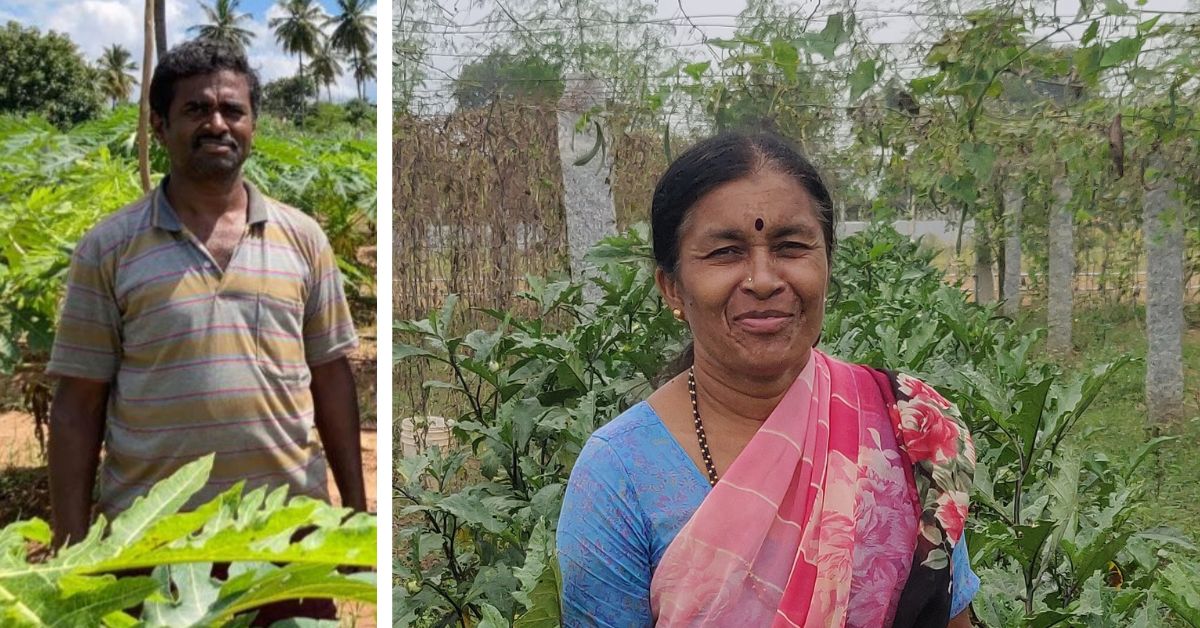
[752, 274]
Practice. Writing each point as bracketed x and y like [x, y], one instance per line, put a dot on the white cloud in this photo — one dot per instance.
[96, 24]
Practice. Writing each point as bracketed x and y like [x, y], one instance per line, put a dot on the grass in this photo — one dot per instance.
[24, 493]
[1117, 424]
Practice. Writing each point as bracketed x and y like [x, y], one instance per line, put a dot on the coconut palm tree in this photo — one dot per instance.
[298, 31]
[326, 67]
[115, 81]
[354, 34]
[223, 20]
[364, 70]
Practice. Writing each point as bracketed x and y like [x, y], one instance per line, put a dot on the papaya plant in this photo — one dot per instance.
[156, 557]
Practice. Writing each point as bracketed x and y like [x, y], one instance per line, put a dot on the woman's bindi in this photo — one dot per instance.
[758, 224]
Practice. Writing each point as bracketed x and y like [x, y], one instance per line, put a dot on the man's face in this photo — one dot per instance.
[209, 126]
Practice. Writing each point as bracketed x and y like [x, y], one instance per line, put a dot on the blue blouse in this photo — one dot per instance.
[632, 490]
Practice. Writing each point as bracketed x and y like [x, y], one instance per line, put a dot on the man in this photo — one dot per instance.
[203, 318]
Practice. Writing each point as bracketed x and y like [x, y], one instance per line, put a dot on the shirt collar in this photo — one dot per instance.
[257, 205]
[163, 216]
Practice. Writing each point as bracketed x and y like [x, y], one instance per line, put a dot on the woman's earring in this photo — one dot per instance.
[678, 314]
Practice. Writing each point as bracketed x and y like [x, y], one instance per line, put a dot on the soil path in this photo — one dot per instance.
[19, 449]
[18, 444]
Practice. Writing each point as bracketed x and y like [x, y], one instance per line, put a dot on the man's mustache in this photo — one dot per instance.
[223, 140]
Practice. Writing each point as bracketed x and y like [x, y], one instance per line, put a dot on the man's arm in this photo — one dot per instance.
[335, 402]
[76, 432]
[962, 620]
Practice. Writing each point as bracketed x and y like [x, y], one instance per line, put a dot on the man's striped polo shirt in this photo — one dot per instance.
[201, 360]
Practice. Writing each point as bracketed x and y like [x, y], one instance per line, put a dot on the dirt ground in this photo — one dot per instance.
[25, 490]
[24, 485]
[18, 446]
[21, 455]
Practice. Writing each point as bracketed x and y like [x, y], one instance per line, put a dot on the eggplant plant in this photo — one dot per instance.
[1051, 533]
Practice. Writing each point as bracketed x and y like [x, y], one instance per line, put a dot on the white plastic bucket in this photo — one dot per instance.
[418, 433]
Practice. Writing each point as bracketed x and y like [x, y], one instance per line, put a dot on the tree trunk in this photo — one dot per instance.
[143, 129]
[1061, 284]
[1163, 219]
[358, 84]
[985, 289]
[1013, 203]
[587, 197]
[303, 94]
[160, 27]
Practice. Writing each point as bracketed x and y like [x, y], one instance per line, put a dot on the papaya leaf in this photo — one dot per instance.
[190, 594]
[86, 584]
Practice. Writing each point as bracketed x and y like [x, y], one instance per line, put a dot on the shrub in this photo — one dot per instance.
[289, 97]
[45, 75]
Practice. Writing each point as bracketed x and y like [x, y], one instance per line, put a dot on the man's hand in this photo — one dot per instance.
[962, 620]
[335, 402]
[77, 417]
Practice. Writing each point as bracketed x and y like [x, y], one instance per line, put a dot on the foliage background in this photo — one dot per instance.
[56, 185]
[1077, 487]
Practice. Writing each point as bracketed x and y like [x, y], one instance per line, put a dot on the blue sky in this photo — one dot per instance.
[94, 24]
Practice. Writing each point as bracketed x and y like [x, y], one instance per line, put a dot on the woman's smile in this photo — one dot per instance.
[763, 322]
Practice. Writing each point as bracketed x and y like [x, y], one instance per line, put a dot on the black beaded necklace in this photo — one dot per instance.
[700, 436]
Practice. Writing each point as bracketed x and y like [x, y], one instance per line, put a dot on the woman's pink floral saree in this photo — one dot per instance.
[775, 542]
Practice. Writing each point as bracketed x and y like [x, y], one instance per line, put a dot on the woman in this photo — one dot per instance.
[767, 484]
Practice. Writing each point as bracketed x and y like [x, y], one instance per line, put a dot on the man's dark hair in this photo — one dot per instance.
[195, 58]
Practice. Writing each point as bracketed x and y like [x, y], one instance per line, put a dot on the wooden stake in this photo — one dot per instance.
[143, 129]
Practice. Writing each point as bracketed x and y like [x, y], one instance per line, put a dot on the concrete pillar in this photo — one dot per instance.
[587, 197]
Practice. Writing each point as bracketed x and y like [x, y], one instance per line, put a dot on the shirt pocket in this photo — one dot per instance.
[279, 340]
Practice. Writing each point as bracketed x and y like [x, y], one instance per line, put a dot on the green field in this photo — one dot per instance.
[1117, 423]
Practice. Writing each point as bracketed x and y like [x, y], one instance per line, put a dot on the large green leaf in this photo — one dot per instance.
[78, 586]
[545, 606]
[1121, 51]
[1063, 488]
[1179, 586]
[293, 582]
[696, 70]
[189, 593]
[539, 550]
[469, 507]
[863, 77]
[1029, 415]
